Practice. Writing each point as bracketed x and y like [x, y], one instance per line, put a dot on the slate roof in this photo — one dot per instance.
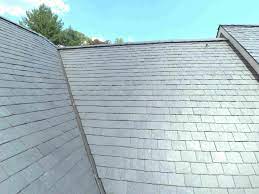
[169, 117]
[155, 117]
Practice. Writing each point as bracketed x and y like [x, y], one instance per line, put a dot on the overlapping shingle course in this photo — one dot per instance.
[160, 117]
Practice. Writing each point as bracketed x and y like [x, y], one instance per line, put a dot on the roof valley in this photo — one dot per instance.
[82, 133]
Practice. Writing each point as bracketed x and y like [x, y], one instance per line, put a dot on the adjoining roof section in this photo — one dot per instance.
[169, 117]
[245, 38]
[41, 148]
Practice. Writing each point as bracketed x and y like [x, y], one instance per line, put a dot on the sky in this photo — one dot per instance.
[143, 20]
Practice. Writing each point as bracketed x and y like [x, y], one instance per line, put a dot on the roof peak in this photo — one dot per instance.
[145, 42]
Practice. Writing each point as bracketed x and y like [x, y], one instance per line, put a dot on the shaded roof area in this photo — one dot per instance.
[168, 117]
[41, 150]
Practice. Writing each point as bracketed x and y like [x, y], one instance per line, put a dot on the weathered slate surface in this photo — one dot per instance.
[168, 117]
[41, 150]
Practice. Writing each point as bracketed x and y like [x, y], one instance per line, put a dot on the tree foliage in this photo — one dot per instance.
[119, 41]
[45, 22]
[71, 37]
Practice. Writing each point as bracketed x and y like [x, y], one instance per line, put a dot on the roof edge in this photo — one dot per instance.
[240, 25]
[27, 29]
[144, 43]
[240, 48]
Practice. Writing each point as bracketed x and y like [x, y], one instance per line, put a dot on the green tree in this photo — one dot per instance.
[119, 41]
[71, 37]
[45, 22]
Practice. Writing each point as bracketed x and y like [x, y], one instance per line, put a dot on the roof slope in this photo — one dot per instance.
[168, 117]
[247, 36]
[41, 150]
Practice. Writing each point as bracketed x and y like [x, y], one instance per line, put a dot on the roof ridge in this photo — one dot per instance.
[144, 43]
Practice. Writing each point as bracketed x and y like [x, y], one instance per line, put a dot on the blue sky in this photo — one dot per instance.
[143, 20]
